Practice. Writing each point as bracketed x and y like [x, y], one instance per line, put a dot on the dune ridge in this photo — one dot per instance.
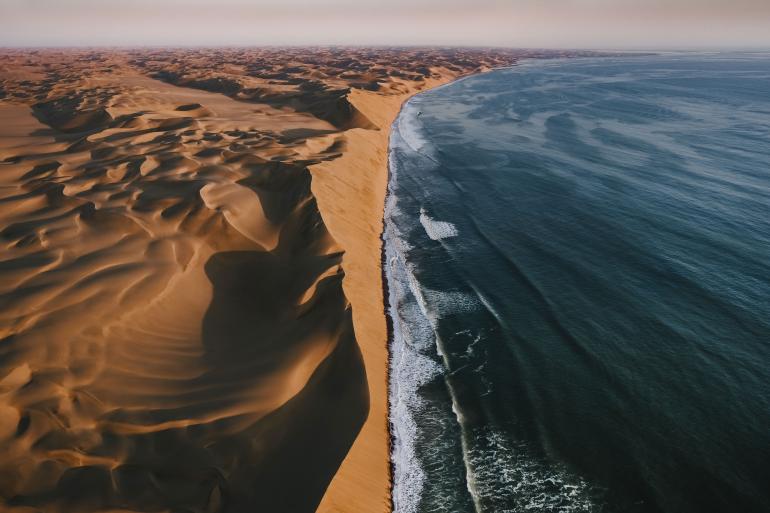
[191, 310]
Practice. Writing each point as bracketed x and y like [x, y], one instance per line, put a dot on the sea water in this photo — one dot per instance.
[578, 264]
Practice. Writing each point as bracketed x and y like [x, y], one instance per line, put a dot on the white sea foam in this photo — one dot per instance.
[408, 132]
[410, 368]
[415, 312]
[507, 478]
[442, 303]
[437, 230]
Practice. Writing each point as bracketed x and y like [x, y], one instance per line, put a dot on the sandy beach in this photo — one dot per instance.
[191, 305]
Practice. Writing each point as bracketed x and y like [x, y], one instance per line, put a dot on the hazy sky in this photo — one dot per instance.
[522, 23]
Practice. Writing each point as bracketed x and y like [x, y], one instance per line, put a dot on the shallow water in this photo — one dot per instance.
[578, 260]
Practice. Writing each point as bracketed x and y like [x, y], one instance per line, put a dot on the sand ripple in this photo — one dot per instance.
[174, 335]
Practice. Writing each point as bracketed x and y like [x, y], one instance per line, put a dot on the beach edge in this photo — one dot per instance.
[351, 193]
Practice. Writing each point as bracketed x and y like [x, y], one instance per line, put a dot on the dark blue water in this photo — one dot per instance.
[578, 259]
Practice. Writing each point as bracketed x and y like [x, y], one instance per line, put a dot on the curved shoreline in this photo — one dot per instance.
[351, 192]
[356, 220]
[248, 191]
[514, 467]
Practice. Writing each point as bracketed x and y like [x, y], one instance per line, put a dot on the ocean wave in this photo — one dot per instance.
[408, 133]
[437, 230]
[410, 369]
[500, 473]
[506, 477]
[414, 312]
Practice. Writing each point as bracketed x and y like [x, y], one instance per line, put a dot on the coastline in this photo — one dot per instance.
[508, 467]
[351, 192]
[233, 272]
[362, 483]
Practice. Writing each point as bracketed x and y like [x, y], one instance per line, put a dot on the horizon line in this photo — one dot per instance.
[181, 46]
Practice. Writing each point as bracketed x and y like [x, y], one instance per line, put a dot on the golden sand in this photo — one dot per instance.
[191, 303]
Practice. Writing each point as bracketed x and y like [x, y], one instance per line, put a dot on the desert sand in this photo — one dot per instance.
[191, 302]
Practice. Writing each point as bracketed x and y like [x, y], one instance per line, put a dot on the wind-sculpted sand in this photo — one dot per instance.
[177, 328]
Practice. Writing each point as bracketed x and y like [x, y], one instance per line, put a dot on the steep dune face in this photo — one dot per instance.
[165, 305]
[176, 328]
[160, 291]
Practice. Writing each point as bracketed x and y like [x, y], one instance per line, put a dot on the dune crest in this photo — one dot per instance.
[190, 294]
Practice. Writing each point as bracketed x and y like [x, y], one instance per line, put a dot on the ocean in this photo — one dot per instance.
[577, 256]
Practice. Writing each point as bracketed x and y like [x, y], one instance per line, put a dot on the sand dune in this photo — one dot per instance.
[190, 295]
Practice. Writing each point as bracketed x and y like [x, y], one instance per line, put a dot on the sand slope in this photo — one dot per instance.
[191, 308]
[362, 173]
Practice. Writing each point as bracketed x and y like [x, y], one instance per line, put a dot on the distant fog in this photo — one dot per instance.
[642, 24]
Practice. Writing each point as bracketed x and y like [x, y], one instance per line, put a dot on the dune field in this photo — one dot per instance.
[191, 305]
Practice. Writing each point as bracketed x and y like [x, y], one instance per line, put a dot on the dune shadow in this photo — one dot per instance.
[277, 399]
[256, 323]
[265, 428]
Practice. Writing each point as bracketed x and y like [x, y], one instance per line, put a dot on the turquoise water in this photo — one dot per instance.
[578, 262]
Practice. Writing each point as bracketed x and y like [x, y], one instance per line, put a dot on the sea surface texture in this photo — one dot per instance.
[578, 264]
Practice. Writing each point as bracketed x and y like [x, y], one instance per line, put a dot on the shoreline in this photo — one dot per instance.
[351, 488]
[386, 300]
[330, 503]
[364, 480]
[240, 214]
[479, 381]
